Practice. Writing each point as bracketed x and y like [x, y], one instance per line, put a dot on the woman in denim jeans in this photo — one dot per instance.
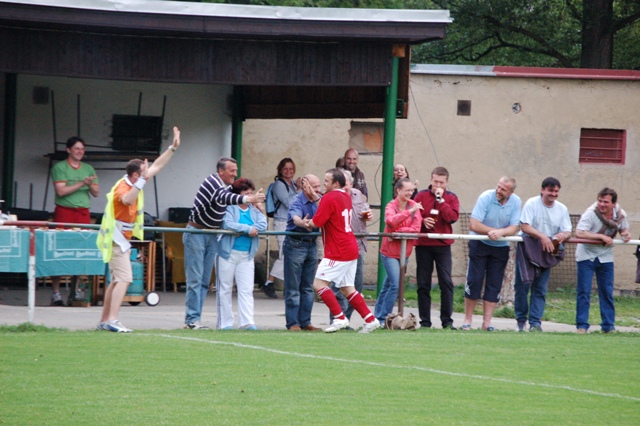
[402, 215]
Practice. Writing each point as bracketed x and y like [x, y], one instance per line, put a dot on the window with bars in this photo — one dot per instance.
[602, 146]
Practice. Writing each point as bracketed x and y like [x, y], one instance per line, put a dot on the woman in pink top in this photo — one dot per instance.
[402, 215]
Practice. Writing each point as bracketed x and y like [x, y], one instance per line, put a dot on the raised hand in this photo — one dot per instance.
[257, 197]
[144, 169]
[416, 206]
[176, 137]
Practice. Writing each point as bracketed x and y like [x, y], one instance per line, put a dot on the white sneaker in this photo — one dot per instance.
[337, 324]
[80, 296]
[196, 326]
[370, 326]
[56, 300]
[117, 327]
[102, 326]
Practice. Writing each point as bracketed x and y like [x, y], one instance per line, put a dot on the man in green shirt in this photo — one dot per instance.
[74, 182]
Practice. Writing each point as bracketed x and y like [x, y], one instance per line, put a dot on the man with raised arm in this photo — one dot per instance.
[123, 219]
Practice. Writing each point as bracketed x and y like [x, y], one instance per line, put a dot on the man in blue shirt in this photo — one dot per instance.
[301, 257]
[496, 215]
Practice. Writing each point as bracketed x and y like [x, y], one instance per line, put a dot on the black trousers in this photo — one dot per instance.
[426, 257]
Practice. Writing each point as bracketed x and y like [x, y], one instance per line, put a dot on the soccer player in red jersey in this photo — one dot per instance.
[340, 254]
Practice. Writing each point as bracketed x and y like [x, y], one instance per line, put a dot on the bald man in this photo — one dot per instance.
[351, 158]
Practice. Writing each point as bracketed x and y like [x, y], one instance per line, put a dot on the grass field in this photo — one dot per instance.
[274, 377]
[560, 306]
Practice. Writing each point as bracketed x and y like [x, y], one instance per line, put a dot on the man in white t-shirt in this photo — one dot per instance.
[600, 222]
[546, 219]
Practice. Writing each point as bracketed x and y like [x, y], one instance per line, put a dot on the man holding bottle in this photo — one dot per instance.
[446, 210]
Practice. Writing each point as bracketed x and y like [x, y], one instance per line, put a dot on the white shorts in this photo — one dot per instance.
[343, 274]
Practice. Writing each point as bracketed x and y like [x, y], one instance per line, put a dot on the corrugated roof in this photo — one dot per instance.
[247, 11]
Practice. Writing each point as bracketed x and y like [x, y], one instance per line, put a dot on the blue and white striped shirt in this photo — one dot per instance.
[211, 202]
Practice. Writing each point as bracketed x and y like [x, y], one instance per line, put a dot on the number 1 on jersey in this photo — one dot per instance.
[346, 214]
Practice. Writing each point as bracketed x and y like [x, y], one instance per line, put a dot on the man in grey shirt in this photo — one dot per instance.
[600, 222]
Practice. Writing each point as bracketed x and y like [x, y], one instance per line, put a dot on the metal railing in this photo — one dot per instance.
[404, 237]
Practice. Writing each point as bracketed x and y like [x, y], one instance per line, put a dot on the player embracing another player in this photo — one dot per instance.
[340, 254]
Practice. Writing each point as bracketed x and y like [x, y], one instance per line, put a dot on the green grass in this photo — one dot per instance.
[560, 307]
[27, 327]
[275, 377]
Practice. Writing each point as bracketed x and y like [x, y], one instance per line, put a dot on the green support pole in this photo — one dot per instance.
[236, 129]
[388, 151]
[9, 146]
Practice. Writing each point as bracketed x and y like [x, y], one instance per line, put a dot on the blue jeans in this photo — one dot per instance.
[358, 283]
[604, 277]
[389, 292]
[535, 307]
[300, 263]
[200, 251]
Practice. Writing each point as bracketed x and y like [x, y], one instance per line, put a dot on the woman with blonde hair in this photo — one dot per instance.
[402, 215]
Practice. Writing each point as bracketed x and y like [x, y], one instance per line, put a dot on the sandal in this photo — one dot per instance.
[465, 327]
[490, 328]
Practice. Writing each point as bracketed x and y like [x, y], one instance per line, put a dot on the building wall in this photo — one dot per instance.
[198, 110]
[541, 140]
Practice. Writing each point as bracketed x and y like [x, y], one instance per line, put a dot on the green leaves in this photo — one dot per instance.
[543, 33]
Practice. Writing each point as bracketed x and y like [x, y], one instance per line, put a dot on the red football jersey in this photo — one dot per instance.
[334, 217]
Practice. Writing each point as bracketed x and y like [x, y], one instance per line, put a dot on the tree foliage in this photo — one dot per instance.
[564, 33]
[547, 33]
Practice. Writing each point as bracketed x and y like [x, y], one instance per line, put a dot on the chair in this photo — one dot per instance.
[174, 253]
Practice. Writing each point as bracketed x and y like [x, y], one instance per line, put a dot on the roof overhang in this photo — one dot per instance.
[330, 63]
[209, 20]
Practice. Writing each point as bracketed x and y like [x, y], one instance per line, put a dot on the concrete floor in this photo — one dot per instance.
[169, 313]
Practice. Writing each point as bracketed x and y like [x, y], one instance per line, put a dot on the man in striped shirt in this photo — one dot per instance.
[200, 249]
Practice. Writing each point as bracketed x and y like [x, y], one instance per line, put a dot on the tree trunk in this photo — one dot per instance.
[597, 34]
[507, 295]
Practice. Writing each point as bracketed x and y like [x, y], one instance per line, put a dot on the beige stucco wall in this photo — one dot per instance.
[541, 140]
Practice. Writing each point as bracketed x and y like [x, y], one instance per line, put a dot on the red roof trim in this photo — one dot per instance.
[570, 73]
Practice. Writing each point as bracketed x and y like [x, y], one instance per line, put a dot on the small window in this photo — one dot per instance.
[602, 146]
[366, 137]
[464, 108]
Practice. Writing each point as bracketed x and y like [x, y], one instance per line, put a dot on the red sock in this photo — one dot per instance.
[357, 301]
[329, 299]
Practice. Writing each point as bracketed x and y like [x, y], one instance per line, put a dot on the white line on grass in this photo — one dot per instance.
[406, 367]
